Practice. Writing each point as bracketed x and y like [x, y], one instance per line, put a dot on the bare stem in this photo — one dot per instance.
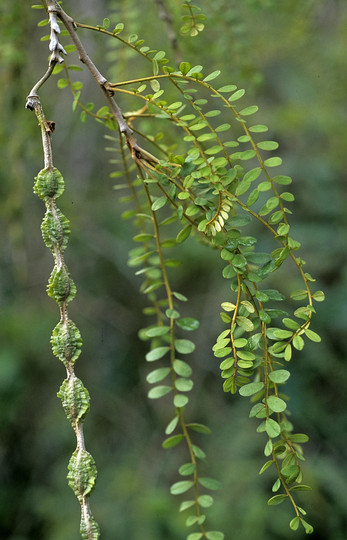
[33, 103]
[137, 152]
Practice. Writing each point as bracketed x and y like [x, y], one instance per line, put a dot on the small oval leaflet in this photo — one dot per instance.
[298, 343]
[187, 468]
[249, 110]
[259, 128]
[251, 389]
[227, 88]
[158, 375]
[253, 174]
[159, 391]
[273, 162]
[212, 75]
[268, 145]
[159, 203]
[237, 95]
[272, 428]
[194, 536]
[184, 346]
[294, 524]
[205, 501]
[244, 323]
[184, 67]
[157, 331]
[185, 505]
[172, 441]
[298, 438]
[214, 535]
[279, 376]
[276, 485]
[301, 487]
[312, 335]
[210, 483]
[240, 342]
[181, 487]
[183, 234]
[201, 428]
[171, 425]
[276, 404]
[319, 296]
[200, 454]
[180, 400]
[188, 323]
[276, 499]
[266, 466]
[282, 334]
[182, 368]
[184, 385]
[156, 354]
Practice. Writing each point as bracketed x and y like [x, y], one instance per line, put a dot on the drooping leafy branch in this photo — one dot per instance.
[205, 191]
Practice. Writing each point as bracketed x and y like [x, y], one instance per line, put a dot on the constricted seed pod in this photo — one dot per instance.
[82, 473]
[60, 286]
[89, 529]
[49, 183]
[66, 342]
[55, 230]
[75, 399]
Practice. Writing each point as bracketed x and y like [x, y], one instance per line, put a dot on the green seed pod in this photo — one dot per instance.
[55, 230]
[82, 473]
[60, 286]
[89, 529]
[49, 183]
[66, 342]
[75, 399]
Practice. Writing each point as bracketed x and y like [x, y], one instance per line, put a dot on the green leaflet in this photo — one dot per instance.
[276, 404]
[182, 368]
[276, 499]
[158, 375]
[156, 354]
[159, 391]
[251, 388]
[172, 441]
[205, 501]
[184, 346]
[279, 376]
[181, 487]
[187, 469]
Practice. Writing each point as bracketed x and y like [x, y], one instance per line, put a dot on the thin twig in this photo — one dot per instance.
[138, 153]
[34, 90]
[33, 103]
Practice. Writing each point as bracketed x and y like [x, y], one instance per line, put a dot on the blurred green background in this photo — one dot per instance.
[291, 58]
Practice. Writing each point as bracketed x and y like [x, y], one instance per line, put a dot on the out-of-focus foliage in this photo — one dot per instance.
[291, 56]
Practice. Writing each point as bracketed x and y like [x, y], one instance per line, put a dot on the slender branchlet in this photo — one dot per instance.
[136, 150]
